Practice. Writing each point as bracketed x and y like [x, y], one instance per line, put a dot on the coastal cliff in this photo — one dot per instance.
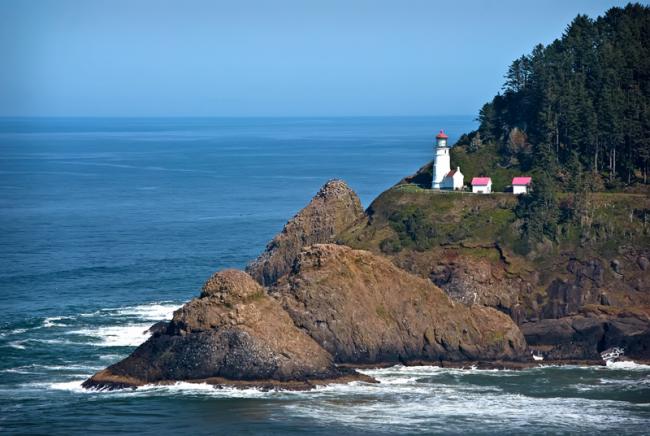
[471, 247]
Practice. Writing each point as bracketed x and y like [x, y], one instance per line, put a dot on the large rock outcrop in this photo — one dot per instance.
[472, 247]
[363, 309]
[234, 334]
[592, 331]
[334, 208]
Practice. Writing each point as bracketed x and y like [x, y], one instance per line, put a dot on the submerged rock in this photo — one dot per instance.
[363, 309]
[233, 334]
[334, 208]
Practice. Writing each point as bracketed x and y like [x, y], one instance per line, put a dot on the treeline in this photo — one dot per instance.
[578, 108]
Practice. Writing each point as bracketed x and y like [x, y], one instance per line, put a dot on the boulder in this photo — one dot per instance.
[334, 208]
[363, 309]
[234, 333]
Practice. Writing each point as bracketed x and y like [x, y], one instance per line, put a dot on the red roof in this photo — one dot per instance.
[451, 173]
[521, 180]
[442, 135]
[481, 181]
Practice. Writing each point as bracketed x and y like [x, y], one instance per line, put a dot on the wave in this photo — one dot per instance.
[43, 369]
[130, 335]
[53, 321]
[627, 365]
[153, 311]
[178, 388]
[18, 345]
[17, 331]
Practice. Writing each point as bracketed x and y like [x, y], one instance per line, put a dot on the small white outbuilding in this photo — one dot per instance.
[521, 184]
[454, 179]
[481, 185]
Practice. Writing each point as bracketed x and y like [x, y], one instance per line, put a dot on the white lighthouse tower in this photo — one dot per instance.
[441, 164]
[443, 178]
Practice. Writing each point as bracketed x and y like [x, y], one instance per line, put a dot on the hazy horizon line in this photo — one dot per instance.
[230, 116]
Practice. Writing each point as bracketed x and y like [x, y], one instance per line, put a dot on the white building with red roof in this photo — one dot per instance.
[443, 176]
[481, 185]
[521, 184]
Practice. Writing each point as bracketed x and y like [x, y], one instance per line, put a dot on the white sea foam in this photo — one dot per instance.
[406, 402]
[17, 331]
[130, 335]
[54, 321]
[111, 357]
[151, 312]
[627, 364]
[72, 386]
[42, 369]
[156, 311]
[18, 370]
[185, 388]
[416, 407]
[49, 341]
[18, 345]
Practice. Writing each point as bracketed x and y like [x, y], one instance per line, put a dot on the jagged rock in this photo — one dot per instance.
[158, 328]
[334, 208]
[363, 309]
[593, 330]
[233, 334]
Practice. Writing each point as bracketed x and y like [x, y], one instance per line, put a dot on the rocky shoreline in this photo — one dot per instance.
[311, 311]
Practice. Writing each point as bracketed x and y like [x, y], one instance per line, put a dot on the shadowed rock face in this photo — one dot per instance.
[363, 309]
[334, 208]
[233, 332]
[593, 330]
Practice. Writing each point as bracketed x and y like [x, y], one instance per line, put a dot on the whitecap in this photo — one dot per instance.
[53, 321]
[50, 341]
[151, 312]
[130, 335]
[18, 345]
[111, 357]
[18, 370]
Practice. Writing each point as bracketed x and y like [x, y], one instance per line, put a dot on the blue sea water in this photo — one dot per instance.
[108, 225]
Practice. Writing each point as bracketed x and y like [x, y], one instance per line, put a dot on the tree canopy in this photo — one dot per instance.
[581, 102]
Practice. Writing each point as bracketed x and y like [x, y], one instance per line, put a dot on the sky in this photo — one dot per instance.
[267, 58]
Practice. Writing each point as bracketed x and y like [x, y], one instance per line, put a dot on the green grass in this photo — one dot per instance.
[483, 162]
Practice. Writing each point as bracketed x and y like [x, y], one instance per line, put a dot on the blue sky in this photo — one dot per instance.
[266, 58]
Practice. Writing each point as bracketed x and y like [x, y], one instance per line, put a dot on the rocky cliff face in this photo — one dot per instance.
[233, 334]
[469, 246]
[334, 208]
[590, 332]
[363, 309]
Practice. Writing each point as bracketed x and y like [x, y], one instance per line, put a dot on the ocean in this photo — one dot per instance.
[109, 225]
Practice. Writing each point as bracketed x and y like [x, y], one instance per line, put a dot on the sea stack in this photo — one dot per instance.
[333, 209]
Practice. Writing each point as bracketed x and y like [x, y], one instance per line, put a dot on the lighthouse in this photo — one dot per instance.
[443, 177]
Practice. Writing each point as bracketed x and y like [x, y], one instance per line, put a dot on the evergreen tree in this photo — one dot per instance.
[587, 94]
